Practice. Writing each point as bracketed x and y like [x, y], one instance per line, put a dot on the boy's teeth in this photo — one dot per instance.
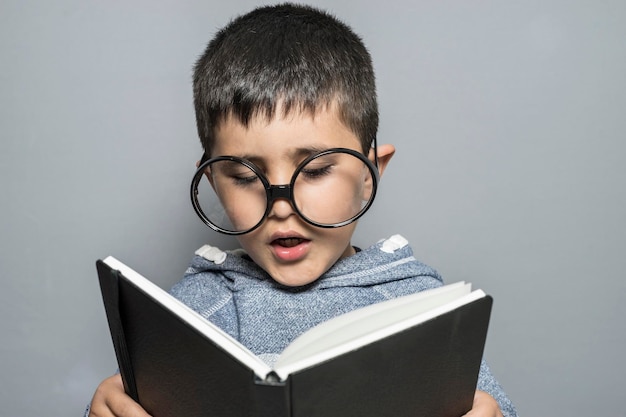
[289, 242]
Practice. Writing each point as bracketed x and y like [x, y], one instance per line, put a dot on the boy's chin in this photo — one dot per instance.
[294, 280]
[295, 275]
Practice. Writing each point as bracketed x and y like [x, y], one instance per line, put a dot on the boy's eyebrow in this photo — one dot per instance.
[307, 151]
[296, 153]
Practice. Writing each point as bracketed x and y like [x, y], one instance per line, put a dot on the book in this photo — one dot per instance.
[416, 355]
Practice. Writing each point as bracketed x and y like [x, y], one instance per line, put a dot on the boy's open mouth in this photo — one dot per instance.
[288, 242]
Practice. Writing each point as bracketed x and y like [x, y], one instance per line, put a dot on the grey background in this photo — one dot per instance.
[508, 119]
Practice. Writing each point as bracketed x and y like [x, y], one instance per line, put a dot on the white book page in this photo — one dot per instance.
[211, 331]
[361, 327]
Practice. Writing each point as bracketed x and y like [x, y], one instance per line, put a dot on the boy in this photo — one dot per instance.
[286, 95]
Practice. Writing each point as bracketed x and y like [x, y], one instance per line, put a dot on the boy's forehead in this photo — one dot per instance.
[295, 131]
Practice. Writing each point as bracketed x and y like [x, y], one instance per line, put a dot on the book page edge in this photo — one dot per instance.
[285, 370]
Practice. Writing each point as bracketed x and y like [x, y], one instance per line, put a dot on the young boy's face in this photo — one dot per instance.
[292, 251]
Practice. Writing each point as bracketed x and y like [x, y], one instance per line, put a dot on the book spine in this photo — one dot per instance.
[272, 397]
[109, 284]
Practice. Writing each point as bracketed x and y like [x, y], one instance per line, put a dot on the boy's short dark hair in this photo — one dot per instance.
[293, 55]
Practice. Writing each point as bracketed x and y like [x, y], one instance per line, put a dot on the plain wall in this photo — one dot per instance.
[509, 122]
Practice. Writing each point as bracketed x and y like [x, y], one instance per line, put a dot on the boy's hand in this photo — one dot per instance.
[110, 400]
[484, 406]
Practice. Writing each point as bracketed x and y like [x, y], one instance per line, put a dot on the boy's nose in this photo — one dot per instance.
[281, 208]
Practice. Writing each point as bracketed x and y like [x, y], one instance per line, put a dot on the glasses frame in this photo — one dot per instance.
[283, 191]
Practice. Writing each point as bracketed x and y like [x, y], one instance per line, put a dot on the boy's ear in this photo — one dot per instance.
[385, 152]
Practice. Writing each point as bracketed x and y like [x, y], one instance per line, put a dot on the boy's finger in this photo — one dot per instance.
[110, 400]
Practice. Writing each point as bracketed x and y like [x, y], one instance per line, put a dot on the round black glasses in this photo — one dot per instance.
[329, 189]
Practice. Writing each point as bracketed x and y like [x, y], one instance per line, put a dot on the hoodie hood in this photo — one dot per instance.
[388, 260]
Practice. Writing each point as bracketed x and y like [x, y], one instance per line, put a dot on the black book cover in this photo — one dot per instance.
[173, 370]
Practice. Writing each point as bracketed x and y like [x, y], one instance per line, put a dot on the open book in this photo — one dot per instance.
[417, 355]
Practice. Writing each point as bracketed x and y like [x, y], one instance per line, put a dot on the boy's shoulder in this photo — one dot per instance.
[391, 258]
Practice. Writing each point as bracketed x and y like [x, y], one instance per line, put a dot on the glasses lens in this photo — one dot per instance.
[334, 188]
[231, 196]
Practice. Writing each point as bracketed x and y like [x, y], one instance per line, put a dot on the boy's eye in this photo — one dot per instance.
[241, 175]
[314, 172]
[233, 173]
[244, 179]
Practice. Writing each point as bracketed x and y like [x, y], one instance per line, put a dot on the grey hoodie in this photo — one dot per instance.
[230, 290]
